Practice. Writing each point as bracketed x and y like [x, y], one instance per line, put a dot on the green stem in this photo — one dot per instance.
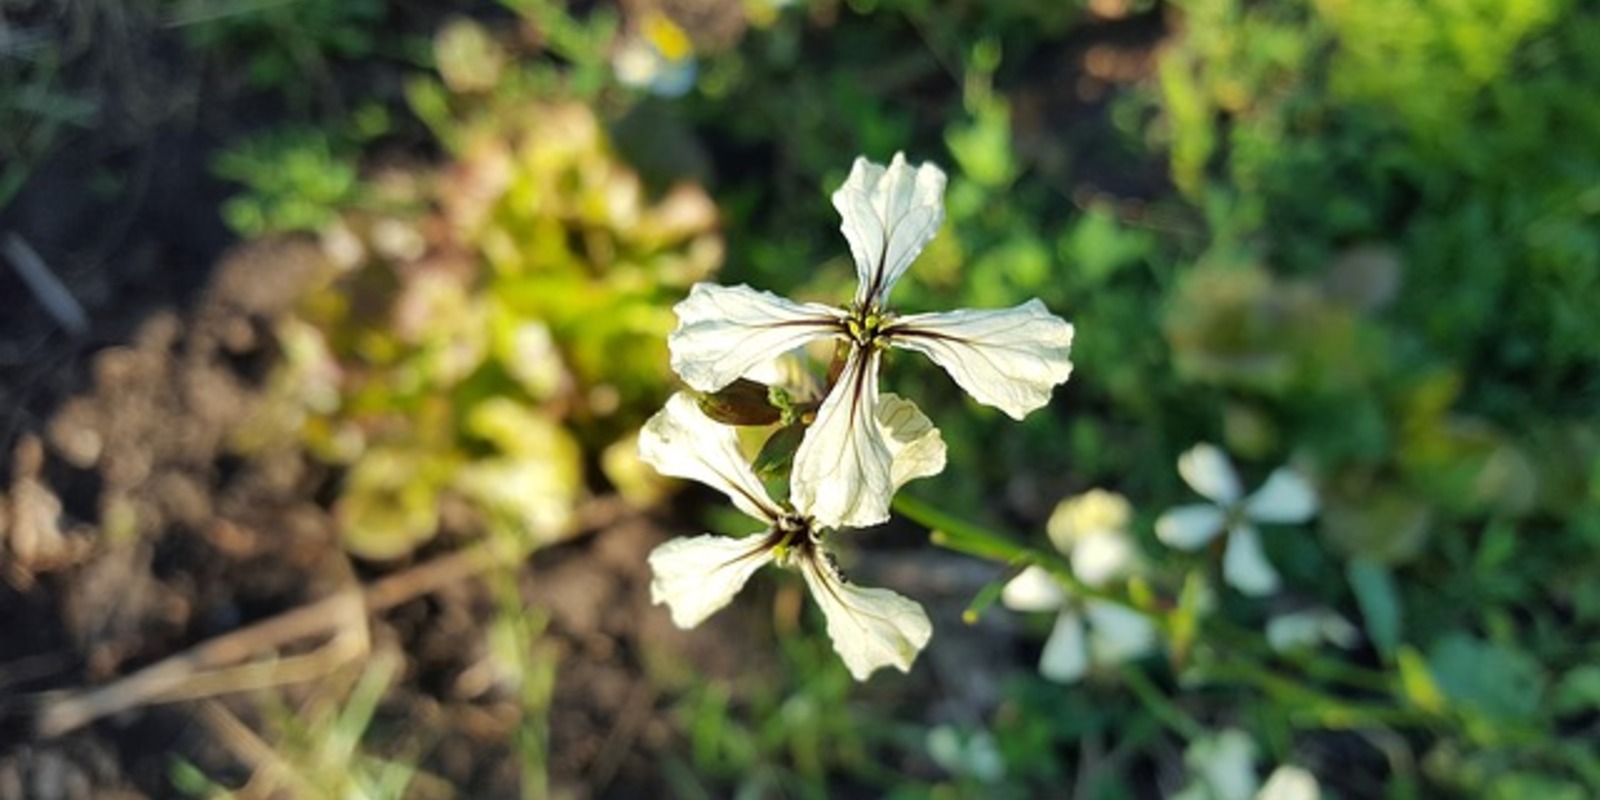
[1157, 703]
[1316, 665]
[1322, 710]
[1327, 710]
[968, 537]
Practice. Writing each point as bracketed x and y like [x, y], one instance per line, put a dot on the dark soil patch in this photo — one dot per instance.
[149, 536]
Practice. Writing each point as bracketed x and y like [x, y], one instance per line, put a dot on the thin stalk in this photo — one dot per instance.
[1158, 704]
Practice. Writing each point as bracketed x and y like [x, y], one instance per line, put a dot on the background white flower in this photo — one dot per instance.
[697, 576]
[1011, 358]
[1286, 497]
[1299, 630]
[1091, 530]
[1222, 767]
[657, 57]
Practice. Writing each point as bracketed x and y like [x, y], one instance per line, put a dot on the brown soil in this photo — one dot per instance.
[135, 533]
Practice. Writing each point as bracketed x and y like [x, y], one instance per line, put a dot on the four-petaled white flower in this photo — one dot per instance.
[1286, 498]
[1010, 359]
[1091, 530]
[697, 576]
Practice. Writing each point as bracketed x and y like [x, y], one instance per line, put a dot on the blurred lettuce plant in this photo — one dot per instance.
[468, 365]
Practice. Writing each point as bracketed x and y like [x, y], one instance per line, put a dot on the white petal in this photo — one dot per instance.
[1295, 631]
[1290, 783]
[1094, 510]
[1286, 497]
[1010, 358]
[1189, 527]
[1244, 563]
[916, 450]
[888, 214]
[1225, 764]
[870, 628]
[697, 577]
[726, 331]
[1100, 556]
[681, 441]
[842, 475]
[1033, 590]
[1066, 653]
[1118, 633]
[1299, 630]
[1208, 471]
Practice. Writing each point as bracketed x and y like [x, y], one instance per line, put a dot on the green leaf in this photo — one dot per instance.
[1417, 683]
[1579, 691]
[1379, 601]
[1501, 683]
[1519, 785]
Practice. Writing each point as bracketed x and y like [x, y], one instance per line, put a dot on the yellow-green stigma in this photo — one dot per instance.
[866, 327]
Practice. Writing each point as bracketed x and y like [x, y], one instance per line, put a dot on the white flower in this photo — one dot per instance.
[1092, 631]
[1222, 767]
[1289, 782]
[1300, 630]
[1286, 497]
[1010, 359]
[697, 576]
[657, 57]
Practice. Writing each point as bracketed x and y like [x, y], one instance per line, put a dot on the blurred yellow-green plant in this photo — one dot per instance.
[472, 355]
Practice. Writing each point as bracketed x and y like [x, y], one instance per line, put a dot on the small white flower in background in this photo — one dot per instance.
[697, 576]
[657, 57]
[1222, 767]
[1286, 498]
[1091, 530]
[1302, 630]
[1010, 359]
[975, 755]
[1290, 783]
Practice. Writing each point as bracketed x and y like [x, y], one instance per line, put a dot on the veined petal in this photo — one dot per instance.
[1189, 527]
[842, 470]
[916, 450]
[1244, 564]
[1208, 471]
[1117, 633]
[888, 215]
[1033, 590]
[726, 331]
[1066, 653]
[696, 577]
[1010, 359]
[870, 628]
[681, 441]
[1286, 497]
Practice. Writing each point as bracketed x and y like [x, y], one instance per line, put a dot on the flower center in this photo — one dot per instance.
[793, 539]
[868, 327]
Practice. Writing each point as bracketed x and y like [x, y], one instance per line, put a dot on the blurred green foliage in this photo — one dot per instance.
[36, 109]
[470, 365]
[296, 179]
[287, 45]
